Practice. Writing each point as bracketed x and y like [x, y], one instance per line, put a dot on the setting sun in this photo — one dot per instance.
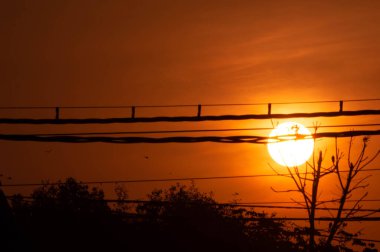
[287, 150]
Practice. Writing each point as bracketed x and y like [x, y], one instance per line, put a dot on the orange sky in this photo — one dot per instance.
[78, 53]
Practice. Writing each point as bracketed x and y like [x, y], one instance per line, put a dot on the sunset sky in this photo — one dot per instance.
[110, 53]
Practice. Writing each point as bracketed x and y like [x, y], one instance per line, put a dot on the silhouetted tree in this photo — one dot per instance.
[67, 216]
[307, 184]
[187, 216]
[348, 184]
[10, 237]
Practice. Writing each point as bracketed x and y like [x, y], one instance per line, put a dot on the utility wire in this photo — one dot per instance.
[182, 139]
[168, 179]
[199, 118]
[255, 202]
[188, 105]
[247, 205]
[351, 219]
[240, 205]
[195, 130]
[344, 238]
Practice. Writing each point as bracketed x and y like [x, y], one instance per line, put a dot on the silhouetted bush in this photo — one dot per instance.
[69, 216]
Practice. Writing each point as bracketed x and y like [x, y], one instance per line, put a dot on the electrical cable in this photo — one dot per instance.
[186, 105]
[195, 130]
[168, 179]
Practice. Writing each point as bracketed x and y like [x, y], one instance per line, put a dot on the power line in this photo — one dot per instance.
[321, 201]
[146, 180]
[198, 118]
[240, 205]
[195, 130]
[344, 238]
[178, 139]
[247, 205]
[351, 219]
[260, 203]
[187, 105]
[167, 179]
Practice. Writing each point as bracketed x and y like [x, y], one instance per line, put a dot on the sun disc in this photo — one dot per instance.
[287, 150]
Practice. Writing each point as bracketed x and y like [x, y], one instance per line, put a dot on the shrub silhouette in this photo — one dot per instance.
[69, 216]
[183, 215]
[64, 217]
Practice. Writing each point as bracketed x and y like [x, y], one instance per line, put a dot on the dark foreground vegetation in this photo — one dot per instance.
[72, 217]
